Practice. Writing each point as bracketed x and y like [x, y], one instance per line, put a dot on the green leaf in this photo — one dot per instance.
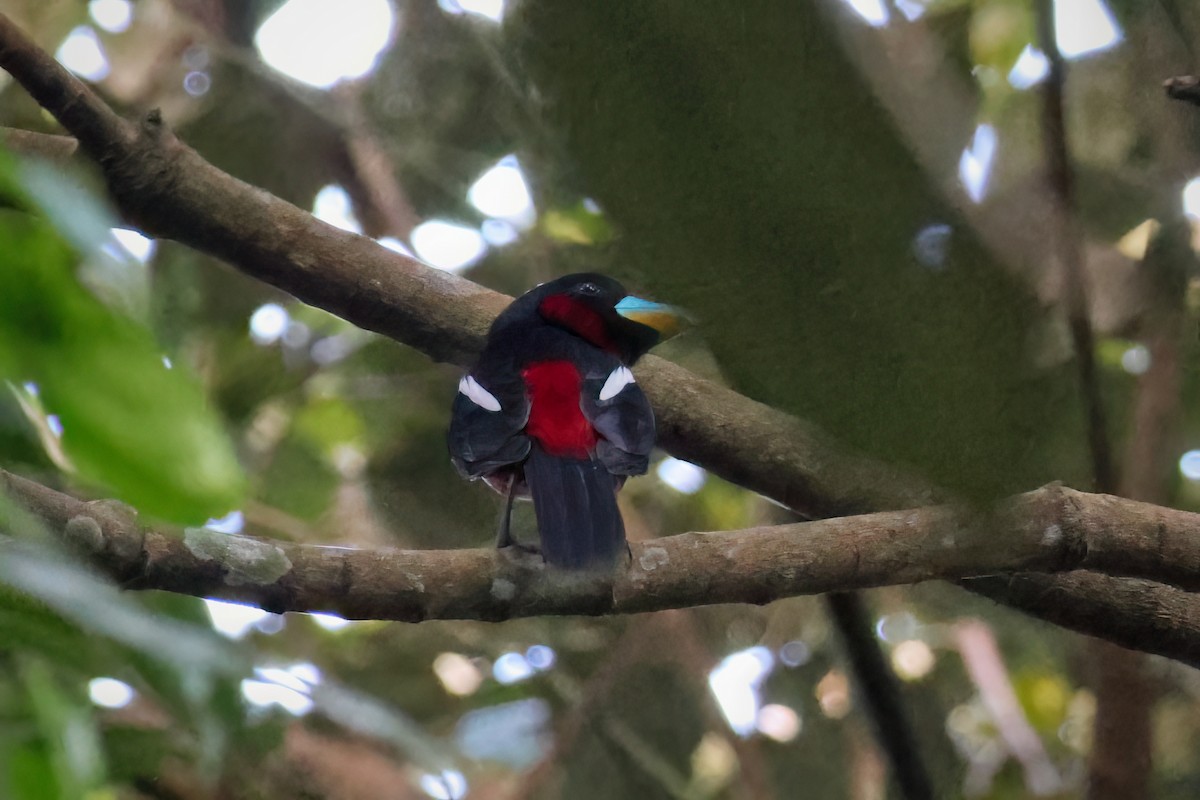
[130, 423]
[66, 727]
[30, 774]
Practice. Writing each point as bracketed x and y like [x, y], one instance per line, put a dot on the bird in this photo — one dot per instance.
[551, 412]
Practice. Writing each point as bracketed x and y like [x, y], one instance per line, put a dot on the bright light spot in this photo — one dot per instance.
[309, 673]
[833, 694]
[681, 476]
[1084, 26]
[54, 424]
[82, 53]
[492, 9]
[140, 247]
[297, 334]
[1136, 360]
[1030, 68]
[321, 42]
[931, 245]
[331, 349]
[511, 668]
[233, 619]
[897, 627]
[498, 232]
[1134, 244]
[395, 245]
[913, 659]
[268, 323]
[267, 693]
[330, 622]
[110, 692]
[447, 246]
[502, 192]
[282, 677]
[113, 16]
[780, 723]
[976, 163]
[541, 657]
[714, 764]
[167, 362]
[873, 12]
[233, 522]
[1191, 198]
[794, 654]
[514, 733]
[735, 684]
[911, 9]
[31, 388]
[197, 83]
[449, 785]
[332, 205]
[1189, 465]
[457, 674]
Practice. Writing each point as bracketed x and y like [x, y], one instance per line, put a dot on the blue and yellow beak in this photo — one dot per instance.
[667, 320]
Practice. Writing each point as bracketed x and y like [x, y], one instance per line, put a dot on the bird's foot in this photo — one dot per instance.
[521, 548]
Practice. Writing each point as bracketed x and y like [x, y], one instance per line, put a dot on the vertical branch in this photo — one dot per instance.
[1122, 727]
[985, 666]
[881, 693]
[1122, 753]
[1070, 250]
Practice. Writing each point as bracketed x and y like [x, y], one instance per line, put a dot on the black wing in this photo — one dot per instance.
[620, 412]
[487, 424]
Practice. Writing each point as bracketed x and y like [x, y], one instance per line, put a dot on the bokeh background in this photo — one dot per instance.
[849, 196]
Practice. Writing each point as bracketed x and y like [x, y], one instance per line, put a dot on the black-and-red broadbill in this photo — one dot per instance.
[551, 411]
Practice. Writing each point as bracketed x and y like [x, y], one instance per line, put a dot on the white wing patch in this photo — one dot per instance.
[618, 379]
[477, 394]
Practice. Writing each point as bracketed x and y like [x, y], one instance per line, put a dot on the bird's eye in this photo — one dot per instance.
[588, 288]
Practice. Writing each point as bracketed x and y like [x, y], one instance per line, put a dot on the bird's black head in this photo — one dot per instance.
[596, 308]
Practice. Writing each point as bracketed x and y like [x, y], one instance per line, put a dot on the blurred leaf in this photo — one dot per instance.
[129, 422]
[577, 225]
[31, 776]
[328, 422]
[299, 480]
[76, 593]
[67, 729]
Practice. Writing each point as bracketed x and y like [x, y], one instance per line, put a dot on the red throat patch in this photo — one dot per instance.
[555, 419]
[578, 318]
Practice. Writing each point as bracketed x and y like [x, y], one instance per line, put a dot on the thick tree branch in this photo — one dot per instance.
[166, 189]
[1053, 529]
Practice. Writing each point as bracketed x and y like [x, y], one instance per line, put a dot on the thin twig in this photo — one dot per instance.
[1183, 87]
[981, 656]
[1070, 250]
[878, 685]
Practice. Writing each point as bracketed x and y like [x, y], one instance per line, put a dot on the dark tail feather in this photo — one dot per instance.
[576, 505]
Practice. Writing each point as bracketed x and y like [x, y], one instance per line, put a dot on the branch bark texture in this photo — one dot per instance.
[1053, 529]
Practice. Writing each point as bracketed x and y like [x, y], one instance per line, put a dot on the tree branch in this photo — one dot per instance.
[167, 190]
[1053, 529]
